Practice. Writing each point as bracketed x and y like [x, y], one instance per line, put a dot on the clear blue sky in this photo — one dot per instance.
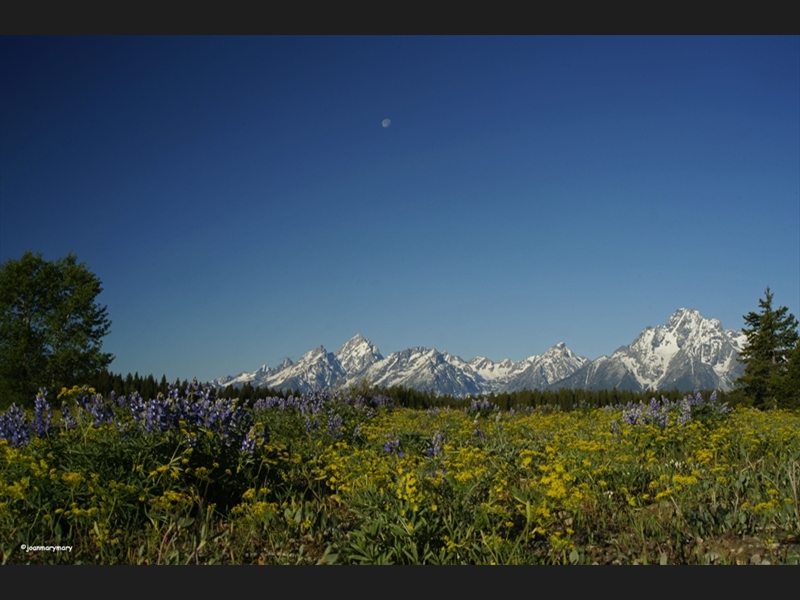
[241, 201]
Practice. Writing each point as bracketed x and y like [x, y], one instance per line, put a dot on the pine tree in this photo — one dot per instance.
[771, 336]
[786, 382]
[129, 387]
[149, 387]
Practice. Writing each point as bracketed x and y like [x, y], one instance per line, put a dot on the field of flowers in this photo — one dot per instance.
[337, 479]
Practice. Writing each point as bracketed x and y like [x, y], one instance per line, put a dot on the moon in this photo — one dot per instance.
[386, 123]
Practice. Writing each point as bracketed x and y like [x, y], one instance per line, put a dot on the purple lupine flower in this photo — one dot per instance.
[393, 447]
[686, 412]
[14, 427]
[267, 403]
[240, 417]
[250, 441]
[229, 420]
[42, 415]
[120, 400]
[632, 415]
[335, 423]
[67, 419]
[249, 444]
[155, 416]
[136, 407]
[436, 446]
[101, 413]
[482, 405]
[658, 413]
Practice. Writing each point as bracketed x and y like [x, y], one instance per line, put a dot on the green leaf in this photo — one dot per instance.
[50, 326]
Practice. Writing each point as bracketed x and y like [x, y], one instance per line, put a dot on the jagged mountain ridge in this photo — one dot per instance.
[419, 368]
[687, 352]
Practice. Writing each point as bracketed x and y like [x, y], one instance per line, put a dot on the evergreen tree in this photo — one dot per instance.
[786, 382]
[103, 382]
[149, 387]
[247, 392]
[129, 386]
[119, 385]
[771, 336]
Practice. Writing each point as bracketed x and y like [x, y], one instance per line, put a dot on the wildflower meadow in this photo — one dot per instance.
[348, 478]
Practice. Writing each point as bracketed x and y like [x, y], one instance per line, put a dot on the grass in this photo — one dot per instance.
[335, 480]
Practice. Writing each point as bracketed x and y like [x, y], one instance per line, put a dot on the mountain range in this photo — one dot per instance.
[688, 352]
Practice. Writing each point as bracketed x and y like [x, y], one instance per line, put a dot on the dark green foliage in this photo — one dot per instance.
[249, 394]
[563, 399]
[106, 382]
[50, 326]
[771, 338]
[787, 382]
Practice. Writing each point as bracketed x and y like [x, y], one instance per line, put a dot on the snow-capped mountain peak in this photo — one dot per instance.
[687, 352]
[491, 371]
[357, 354]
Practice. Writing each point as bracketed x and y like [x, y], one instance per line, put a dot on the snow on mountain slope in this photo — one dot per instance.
[491, 371]
[425, 369]
[539, 372]
[357, 355]
[315, 369]
[687, 352]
